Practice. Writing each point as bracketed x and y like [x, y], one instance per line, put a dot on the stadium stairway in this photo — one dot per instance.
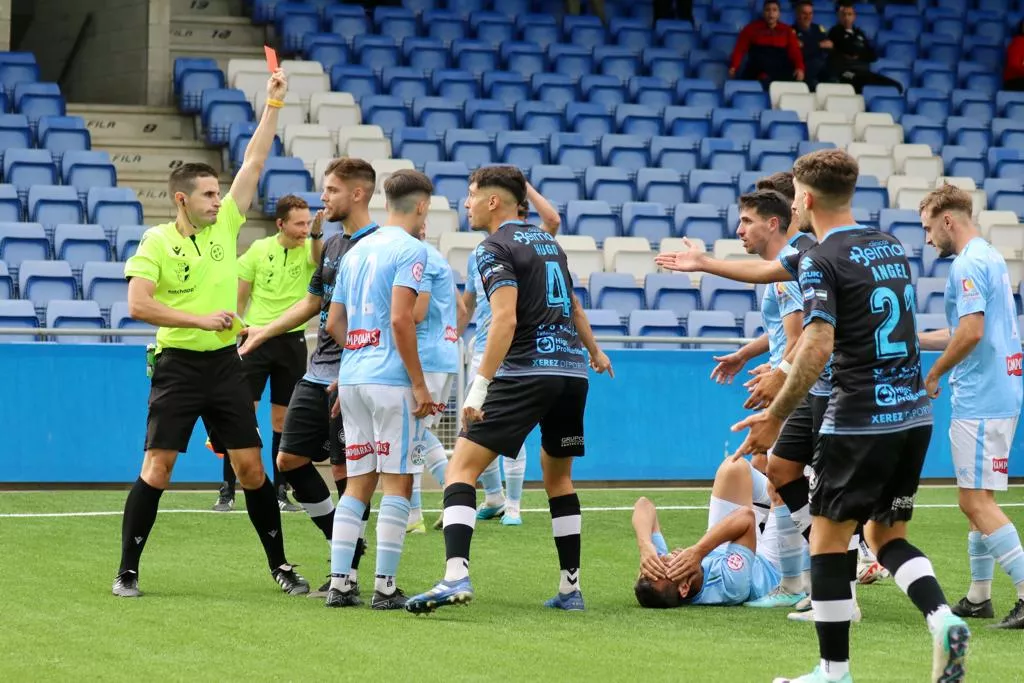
[215, 29]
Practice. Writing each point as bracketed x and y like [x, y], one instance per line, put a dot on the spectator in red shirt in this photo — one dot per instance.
[1013, 74]
[771, 47]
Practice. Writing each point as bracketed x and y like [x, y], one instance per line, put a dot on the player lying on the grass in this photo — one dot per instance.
[725, 566]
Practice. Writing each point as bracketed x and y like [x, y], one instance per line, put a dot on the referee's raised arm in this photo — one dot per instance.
[243, 188]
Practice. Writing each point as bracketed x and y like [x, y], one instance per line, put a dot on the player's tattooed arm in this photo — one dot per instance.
[813, 350]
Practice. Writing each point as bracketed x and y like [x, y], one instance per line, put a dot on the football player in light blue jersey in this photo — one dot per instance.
[478, 309]
[382, 392]
[982, 348]
[726, 566]
[437, 311]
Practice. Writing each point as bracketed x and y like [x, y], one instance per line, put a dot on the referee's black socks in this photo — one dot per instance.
[139, 515]
[313, 495]
[265, 515]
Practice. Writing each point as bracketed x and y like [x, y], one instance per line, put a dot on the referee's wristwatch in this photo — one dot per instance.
[315, 235]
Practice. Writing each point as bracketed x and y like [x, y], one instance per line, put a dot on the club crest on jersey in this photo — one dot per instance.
[1013, 365]
[417, 271]
[967, 285]
[358, 339]
[735, 562]
[451, 334]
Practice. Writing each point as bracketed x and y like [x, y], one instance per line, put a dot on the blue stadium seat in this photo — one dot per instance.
[328, 49]
[723, 154]
[12, 73]
[651, 91]
[698, 92]
[632, 34]
[79, 243]
[676, 35]
[398, 22]
[638, 119]
[933, 266]
[18, 313]
[928, 322]
[489, 116]
[450, 178]
[1006, 101]
[670, 292]
[126, 240]
[746, 96]
[36, 100]
[104, 283]
[444, 25]
[469, 146]
[457, 85]
[541, 29]
[925, 131]
[753, 324]
[22, 242]
[41, 281]
[573, 61]
[735, 124]
[385, 111]
[221, 108]
[584, 30]
[620, 62]
[521, 148]
[436, 115]
[376, 52]
[425, 54]
[655, 324]
[608, 91]
[616, 291]
[699, 221]
[603, 323]
[692, 122]
[664, 63]
[978, 77]
[294, 20]
[662, 185]
[24, 168]
[14, 132]
[961, 130]
[523, 58]
[769, 156]
[612, 185]
[1005, 194]
[553, 88]
[719, 293]
[6, 283]
[889, 219]
[192, 84]
[556, 182]
[492, 27]
[10, 204]
[405, 82]
[76, 314]
[239, 135]
[712, 187]
[930, 102]
[627, 152]
[931, 292]
[1008, 132]
[713, 324]
[506, 87]
[574, 150]
[474, 56]
[1006, 162]
[646, 219]
[964, 162]
[593, 218]
[112, 206]
[541, 118]
[53, 204]
[356, 79]
[782, 126]
[591, 120]
[679, 154]
[347, 21]
[418, 145]
[120, 319]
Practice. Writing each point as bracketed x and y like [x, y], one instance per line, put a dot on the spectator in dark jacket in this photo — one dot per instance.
[1013, 74]
[771, 48]
[814, 44]
[852, 53]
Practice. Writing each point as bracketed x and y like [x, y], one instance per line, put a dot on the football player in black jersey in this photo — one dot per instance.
[859, 301]
[534, 371]
[310, 433]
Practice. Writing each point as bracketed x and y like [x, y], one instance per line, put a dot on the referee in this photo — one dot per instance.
[184, 279]
[273, 275]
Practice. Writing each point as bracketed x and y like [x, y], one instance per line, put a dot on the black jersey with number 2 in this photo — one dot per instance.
[858, 280]
[546, 341]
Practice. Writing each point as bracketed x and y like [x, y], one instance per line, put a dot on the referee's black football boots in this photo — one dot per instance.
[291, 581]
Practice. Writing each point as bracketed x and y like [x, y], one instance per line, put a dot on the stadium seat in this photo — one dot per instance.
[221, 108]
[111, 206]
[669, 292]
[41, 281]
[418, 145]
[593, 218]
[489, 116]
[355, 79]
[521, 148]
[718, 293]
[927, 322]
[713, 324]
[280, 176]
[14, 132]
[76, 314]
[618, 292]
[126, 240]
[104, 283]
[647, 220]
[505, 87]
[606, 324]
[450, 178]
[308, 142]
[53, 204]
[6, 282]
[677, 154]
[22, 242]
[36, 100]
[661, 185]
[121, 319]
[10, 205]
[712, 187]
[468, 146]
[541, 118]
[699, 221]
[83, 170]
[24, 168]
[78, 243]
[456, 247]
[334, 110]
[613, 185]
[655, 324]
[574, 150]
[18, 313]
[631, 255]
[558, 183]
[581, 251]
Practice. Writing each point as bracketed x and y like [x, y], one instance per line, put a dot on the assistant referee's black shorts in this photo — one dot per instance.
[189, 385]
[282, 360]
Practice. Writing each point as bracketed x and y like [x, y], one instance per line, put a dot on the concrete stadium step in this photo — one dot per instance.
[206, 8]
[158, 156]
[220, 53]
[126, 122]
[212, 33]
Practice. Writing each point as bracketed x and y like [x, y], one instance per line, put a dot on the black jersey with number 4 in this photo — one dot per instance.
[858, 280]
[546, 341]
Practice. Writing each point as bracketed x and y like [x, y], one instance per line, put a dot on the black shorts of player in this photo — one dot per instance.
[800, 433]
[868, 476]
[189, 385]
[515, 405]
[282, 360]
[309, 430]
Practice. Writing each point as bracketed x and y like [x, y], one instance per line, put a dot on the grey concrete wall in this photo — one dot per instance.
[112, 64]
[5, 24]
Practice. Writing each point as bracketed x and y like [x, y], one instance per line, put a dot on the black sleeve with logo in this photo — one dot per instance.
[323, 364]
[545, 340]
[858, 281]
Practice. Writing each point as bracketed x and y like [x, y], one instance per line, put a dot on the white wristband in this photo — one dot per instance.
[477, 393]
[785, 366]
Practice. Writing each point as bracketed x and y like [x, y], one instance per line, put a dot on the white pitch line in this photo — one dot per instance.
[624, 508]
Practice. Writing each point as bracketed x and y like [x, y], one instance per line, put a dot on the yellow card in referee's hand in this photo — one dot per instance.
[227, 336]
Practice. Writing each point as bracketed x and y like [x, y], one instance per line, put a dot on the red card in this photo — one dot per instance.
[272, 64]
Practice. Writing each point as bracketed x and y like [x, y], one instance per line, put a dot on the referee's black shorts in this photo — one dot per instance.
[282, 360]
[189, 385]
